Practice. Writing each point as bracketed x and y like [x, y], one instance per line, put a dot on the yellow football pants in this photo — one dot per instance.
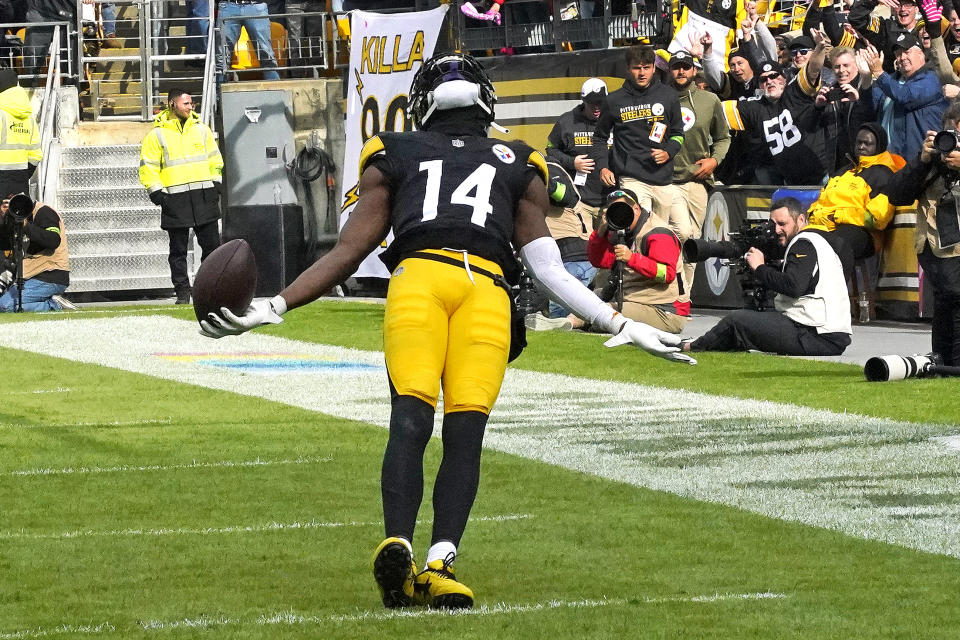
[441, 326]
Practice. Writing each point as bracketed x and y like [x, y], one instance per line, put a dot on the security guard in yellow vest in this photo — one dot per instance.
[20, 151]
[46, 260]
[181, 168]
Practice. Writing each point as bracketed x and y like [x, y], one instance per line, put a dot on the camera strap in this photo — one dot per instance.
[948, 217]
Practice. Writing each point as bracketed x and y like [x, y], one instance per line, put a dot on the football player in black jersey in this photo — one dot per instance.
[456, 200]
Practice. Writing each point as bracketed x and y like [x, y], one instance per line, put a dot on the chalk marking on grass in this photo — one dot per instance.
[33, 391]
[89, 629]
[207, 531]
[101, 423]
[290, 618]
[833, 470]
[222, 464]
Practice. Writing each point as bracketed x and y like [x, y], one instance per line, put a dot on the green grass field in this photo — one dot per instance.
[138, 506]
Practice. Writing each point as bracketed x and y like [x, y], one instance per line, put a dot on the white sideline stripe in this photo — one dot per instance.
[291, 619]
[163, 467]
[102, 423]
[207, 531]
[859, 475]
[39, 632]
[32, 391]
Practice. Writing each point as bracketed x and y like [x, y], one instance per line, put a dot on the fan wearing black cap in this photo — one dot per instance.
[882, 33]
[20, 151]
[570, 145]
[909, 102]
[787, 120]
[706, 139]
[800, 49]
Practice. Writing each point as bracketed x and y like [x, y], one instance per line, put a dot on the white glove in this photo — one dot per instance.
[643, 336]
[258, 313]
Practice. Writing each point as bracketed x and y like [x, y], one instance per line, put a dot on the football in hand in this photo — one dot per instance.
[227, 278]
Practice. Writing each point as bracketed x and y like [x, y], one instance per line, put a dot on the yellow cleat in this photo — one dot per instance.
[394, 571]
[437, 587]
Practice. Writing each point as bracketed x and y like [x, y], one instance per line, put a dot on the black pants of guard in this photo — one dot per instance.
[771, 331]
[944, 275]
[208, 236]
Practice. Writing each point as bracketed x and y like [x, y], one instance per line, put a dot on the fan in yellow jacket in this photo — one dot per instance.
[853, 204]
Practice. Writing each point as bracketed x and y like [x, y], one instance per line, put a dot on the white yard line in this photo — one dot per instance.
[220, 464]
[208, 531]
[292, 619]
[868, 477]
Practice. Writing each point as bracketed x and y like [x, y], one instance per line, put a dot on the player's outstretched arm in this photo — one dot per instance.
[541, 257]
[365, 229]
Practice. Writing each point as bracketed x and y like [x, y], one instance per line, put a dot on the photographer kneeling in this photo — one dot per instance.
[812, 316]
[642, 253]
[36, 230]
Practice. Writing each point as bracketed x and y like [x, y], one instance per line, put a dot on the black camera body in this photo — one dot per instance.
[946, 141]
[760, 235]
[835, 94]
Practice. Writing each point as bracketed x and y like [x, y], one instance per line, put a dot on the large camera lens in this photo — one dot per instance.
[619, 216]
[21, 206]
[945, 141]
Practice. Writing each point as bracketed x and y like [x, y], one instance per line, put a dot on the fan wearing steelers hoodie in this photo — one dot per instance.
[644, 116]
[854, 204]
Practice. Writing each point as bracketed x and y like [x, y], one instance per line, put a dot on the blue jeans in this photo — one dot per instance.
[108, 15]
[258, 28]
[583, 271]
[197, 26]
[36, 296]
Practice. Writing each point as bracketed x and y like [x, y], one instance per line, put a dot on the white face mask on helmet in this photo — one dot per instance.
[451, 81]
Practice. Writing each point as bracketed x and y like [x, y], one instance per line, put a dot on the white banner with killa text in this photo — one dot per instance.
[386, 50]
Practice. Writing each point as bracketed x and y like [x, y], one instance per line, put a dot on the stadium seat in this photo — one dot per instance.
[245, 51]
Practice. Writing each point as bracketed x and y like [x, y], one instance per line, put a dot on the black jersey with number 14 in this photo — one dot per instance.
[452, 192]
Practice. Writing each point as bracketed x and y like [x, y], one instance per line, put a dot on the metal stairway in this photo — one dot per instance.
[116, 243]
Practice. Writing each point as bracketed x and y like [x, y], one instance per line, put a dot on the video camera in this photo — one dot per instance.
[761, 235]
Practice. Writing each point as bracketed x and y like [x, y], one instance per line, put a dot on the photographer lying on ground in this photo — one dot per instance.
[812, 316]
[37, 230]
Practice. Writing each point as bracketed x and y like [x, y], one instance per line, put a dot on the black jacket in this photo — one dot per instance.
[641, 120]
[54, 9]
[570, 137]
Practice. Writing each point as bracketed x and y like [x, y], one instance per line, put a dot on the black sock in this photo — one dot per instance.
[401, 478]
[459, 475]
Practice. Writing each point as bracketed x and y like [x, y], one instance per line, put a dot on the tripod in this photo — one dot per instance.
[616, 273]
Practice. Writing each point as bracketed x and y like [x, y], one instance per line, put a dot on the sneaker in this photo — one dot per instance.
[394, 571]
[437, 587]
[63, 303]
[540, 322]
[183, 296]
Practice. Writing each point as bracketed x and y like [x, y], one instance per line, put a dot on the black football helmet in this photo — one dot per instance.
[444, 68]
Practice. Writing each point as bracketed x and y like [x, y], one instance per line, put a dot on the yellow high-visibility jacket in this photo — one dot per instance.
[19, 134]
[178, 157]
